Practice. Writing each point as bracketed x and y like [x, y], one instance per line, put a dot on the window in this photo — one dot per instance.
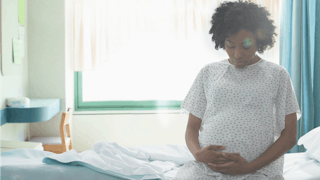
[152, 70]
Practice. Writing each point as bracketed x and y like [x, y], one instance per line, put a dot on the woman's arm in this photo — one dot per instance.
[192, 134]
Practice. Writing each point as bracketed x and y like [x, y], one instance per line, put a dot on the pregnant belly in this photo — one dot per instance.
[238, 135]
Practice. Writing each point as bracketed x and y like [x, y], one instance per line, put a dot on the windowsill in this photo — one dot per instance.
[127, 112]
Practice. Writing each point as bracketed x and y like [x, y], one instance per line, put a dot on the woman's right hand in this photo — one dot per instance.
[209, 154]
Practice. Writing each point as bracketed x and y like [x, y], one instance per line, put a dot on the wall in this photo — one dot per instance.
[129, 130]
[47, 59]
[15, 86]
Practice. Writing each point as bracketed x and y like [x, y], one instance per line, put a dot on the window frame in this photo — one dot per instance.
[117, 105]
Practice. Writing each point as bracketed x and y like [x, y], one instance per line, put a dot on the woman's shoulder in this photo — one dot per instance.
[212, 70]
[274, 68]
[216, 65]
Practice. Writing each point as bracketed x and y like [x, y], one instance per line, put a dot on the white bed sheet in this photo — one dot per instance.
[35, 164]
[297, 166]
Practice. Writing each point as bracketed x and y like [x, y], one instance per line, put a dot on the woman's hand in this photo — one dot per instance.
[238, 166]
[209, 154]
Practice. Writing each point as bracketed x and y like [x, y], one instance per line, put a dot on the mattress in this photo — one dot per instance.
[61, 172]
[296, 167]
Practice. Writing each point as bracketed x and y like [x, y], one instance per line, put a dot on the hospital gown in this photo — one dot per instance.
[242, 109]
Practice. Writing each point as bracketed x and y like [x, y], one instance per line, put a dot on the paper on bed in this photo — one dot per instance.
[91, 160]
[109, 156]
[170, 152]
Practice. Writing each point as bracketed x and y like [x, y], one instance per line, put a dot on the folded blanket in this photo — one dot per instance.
[141, 162]
[175, 153]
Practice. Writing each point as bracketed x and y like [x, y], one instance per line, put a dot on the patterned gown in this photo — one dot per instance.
[242, 109]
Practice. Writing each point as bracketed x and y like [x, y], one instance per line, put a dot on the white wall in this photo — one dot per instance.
[46, 59]
[69, 80]
[129, 130]
[15, 86]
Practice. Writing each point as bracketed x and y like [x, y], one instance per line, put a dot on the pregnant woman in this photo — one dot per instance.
[244, 106]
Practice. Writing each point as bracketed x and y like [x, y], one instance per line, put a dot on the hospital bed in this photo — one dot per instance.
[110, 161]
[15, 166]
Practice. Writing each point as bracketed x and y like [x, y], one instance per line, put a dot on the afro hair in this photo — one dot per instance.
[231, 17]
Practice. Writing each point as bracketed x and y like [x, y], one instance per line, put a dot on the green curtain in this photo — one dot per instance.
[300, 55]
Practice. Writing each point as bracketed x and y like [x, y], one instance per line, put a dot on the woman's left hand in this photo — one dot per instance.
[238, 166]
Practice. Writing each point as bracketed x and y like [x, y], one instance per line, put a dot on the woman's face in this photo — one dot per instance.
[241, 49]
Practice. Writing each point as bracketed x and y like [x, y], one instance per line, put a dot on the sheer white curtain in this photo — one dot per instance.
[102, 27]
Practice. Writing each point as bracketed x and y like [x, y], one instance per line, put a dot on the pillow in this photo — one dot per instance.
[311, 142]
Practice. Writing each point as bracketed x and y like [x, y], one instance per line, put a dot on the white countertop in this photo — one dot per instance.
[11, 144]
